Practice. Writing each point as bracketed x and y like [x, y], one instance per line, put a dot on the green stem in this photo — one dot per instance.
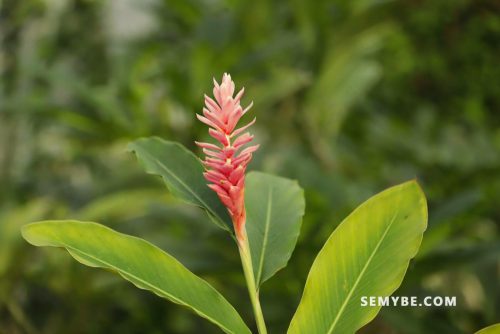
[246, 261]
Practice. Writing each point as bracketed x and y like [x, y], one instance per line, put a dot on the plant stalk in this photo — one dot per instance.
[246, 261]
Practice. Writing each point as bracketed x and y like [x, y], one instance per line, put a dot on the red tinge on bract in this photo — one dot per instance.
[226, 163]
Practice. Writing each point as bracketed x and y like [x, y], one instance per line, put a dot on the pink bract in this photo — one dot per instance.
[226, 162]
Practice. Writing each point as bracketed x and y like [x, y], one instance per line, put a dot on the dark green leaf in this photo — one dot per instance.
[275, 207]
[182, 172]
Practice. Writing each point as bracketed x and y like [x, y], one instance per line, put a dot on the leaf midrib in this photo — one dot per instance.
[266, 233]
[349, 295]
[153, 287]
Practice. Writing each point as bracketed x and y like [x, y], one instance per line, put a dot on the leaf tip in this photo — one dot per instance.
[423, 199]
[28, 233]
[132, 146]
[25, 232]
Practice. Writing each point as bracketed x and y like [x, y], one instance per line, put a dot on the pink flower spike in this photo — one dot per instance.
[208, 146]
[243, 128]
[225, 166]
[249, 150]
[211, 104]
[242, 140]
[238, 96]
[207, 122]
[219, 136]
[214, 154]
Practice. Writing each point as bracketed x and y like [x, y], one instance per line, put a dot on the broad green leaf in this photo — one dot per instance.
[275, 207]
[182, 172]
[493, 329]
[367, 255]
[138, 261]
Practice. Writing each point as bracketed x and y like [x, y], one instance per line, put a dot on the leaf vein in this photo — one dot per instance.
[266, 234]
[349, 295]
[153, 287]
[189, 189]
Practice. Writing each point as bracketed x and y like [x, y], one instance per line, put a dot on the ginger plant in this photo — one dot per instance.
[366, 255]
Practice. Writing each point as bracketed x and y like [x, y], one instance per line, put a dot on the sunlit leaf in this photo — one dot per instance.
[493, 329]
[138, 261]
[367, 255]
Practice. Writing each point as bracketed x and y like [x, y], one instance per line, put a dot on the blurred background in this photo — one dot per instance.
[351, 97]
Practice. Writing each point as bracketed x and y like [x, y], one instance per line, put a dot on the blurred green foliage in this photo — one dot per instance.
[350, 97]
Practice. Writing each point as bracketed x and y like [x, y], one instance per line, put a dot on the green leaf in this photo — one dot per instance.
[138, 261]
[367, 255]
[275, 207]
[182, 172]
[493, 329]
